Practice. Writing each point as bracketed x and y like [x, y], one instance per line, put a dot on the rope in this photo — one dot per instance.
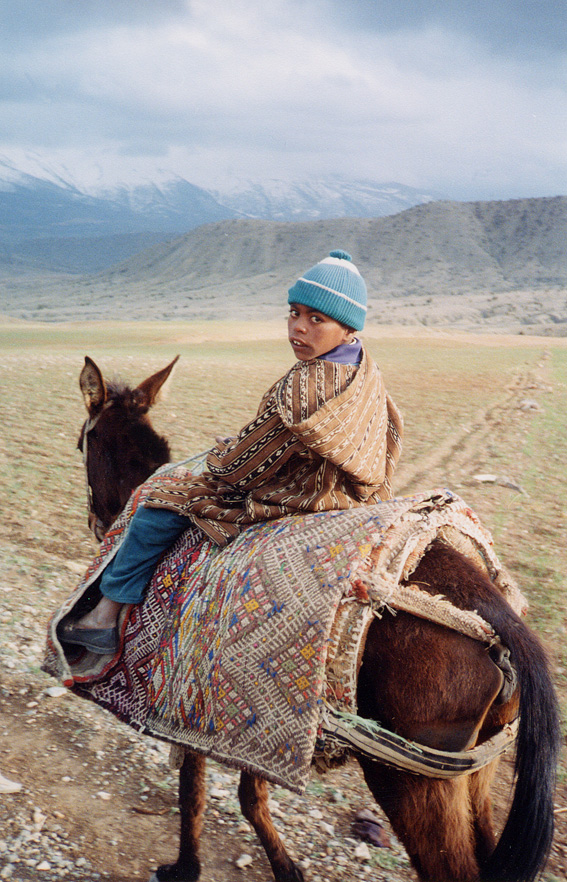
[374, 741]
[377, 585]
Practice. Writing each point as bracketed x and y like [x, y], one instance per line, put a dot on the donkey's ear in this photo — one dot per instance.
[92, 386]
[150, 391]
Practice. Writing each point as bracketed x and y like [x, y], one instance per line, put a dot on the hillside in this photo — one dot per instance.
[489, 264]
[444, 245]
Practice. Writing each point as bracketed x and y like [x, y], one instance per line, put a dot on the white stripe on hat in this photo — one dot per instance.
[340, 261]
[332, 291]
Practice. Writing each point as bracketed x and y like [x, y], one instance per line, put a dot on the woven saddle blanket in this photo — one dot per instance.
[234, 651]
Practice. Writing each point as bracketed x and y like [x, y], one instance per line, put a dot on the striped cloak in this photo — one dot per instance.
[327, 436]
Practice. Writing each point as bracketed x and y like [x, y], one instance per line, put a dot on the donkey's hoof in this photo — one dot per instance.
[176, 873]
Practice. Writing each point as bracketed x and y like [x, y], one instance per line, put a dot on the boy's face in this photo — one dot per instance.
[312, 334]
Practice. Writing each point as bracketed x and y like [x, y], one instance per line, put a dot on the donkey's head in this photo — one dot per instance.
[119, 445]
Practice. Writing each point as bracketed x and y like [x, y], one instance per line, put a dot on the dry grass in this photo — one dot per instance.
[471, 405]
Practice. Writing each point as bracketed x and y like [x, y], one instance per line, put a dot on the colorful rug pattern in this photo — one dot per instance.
[227, 654]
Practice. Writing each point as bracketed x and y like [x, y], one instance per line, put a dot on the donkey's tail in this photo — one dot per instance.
[525, 842]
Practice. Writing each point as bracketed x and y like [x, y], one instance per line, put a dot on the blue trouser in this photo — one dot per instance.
[151, 532]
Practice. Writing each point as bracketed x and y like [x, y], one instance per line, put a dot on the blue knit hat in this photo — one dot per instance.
[334, 287]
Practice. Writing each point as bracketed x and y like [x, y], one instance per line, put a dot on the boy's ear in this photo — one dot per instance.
[348, 335]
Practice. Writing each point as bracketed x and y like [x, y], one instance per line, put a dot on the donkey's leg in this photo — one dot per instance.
[432, 819]
[253, 795]
[191, 806]
[479, 784]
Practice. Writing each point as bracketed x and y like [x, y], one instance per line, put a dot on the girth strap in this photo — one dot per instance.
[372, 740]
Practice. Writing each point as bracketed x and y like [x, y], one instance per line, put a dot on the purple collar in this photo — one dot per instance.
[345, 353]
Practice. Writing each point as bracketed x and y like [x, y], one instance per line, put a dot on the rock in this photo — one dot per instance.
[368, 828]
[55, 691]
[39, 819]
[485, 479]
[243, 861]
[43, 866]
[511, 485]
[362, 852]
[7, 786]
[530, 404]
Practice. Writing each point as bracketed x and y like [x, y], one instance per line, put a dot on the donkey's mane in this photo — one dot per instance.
[128, 403]
[123, 396]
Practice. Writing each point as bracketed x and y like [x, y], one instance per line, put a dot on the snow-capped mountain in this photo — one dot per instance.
[51, 206]
[176, 205]
[48, 220]
[320, 199]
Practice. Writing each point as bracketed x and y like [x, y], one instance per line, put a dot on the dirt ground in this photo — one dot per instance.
[98, 801]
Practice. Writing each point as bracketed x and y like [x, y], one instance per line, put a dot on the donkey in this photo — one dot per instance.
[424, 681]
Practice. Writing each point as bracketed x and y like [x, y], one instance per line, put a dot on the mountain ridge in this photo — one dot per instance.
[490, 265]
[49, 222]
[511, 244]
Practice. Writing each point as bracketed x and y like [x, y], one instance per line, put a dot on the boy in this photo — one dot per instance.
[327, 436]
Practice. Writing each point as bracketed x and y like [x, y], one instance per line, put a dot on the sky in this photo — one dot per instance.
[462, 98]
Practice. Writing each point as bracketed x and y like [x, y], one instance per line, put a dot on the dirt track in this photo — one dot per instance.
[97, 800]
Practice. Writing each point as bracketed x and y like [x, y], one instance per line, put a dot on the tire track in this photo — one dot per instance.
[457, 455]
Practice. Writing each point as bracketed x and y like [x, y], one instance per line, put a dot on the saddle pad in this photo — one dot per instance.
[227, 653]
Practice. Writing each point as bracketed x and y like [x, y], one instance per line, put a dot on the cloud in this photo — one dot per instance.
[505, 27]
[394, 91]
[27, 21]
